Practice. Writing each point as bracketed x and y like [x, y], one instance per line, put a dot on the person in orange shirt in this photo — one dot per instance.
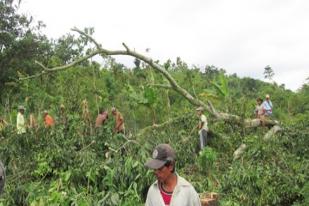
[119, 121]
[48, 120]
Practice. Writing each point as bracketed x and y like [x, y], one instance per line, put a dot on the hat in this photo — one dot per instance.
[200, 109]
[20, 107]
[160, 156]
[45, 111]
[267, 96]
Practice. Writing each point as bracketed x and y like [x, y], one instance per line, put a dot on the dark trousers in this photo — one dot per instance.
[203, 139]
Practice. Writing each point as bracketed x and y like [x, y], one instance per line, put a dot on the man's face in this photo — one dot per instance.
[199, 112]
[21, 111]
[163, 173]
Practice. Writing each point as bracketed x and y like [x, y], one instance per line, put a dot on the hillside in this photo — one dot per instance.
[78, 164]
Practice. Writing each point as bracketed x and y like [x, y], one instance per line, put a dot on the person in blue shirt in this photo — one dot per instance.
[268, 106]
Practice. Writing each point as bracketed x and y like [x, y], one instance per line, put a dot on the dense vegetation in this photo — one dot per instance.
[77, 165]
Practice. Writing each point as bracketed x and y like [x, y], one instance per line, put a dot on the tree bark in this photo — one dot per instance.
[274, 130]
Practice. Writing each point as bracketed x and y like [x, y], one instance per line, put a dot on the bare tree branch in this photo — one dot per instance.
[125, 46]
[240, 150]
[165, 86]
[274, 130]
[88, 36]
[59, 68]
[40, 64]
[32, 76]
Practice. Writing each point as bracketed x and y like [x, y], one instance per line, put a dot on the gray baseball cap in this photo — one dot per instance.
[160, 156]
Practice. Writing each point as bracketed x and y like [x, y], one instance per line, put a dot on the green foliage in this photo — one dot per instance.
[206, 160]
[20, 44]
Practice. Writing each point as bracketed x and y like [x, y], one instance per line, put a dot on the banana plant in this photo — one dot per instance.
[218, 92]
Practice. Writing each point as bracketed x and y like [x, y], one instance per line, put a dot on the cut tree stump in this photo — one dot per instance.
[209, 199]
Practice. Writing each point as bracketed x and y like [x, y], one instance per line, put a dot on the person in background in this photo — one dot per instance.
[169, 188]
[48, 120]
[101, 118]
[202, 127]
[260, 111]
[268, 106]
[20, 121]
[62, 116]
[119, 121]
[32, 121]
[3, 123]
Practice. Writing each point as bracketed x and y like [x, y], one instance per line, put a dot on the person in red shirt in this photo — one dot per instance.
[48, 120]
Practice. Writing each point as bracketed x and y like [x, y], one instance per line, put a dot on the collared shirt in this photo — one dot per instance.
[268, 106]
[184, 194]
[20, 124]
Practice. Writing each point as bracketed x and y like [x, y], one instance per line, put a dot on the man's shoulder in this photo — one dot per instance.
[153, 187]
[154, 184]
[183, 182]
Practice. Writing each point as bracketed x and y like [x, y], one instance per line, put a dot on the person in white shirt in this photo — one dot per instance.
[259, 109]
[20, 121]
[202, 127]
[169, 189]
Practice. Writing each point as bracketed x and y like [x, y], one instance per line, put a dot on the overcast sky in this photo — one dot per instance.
[240, 36]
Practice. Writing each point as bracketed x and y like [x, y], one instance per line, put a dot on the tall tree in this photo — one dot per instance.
[268, 73]
[20, 43]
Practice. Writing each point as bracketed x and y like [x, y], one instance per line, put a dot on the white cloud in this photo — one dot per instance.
[241, 36]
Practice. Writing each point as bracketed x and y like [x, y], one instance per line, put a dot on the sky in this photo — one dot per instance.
[240, 36]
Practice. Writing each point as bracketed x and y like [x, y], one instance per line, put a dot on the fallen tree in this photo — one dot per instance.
[99, 50]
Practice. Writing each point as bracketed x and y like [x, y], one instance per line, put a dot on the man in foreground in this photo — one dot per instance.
[170, 189]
